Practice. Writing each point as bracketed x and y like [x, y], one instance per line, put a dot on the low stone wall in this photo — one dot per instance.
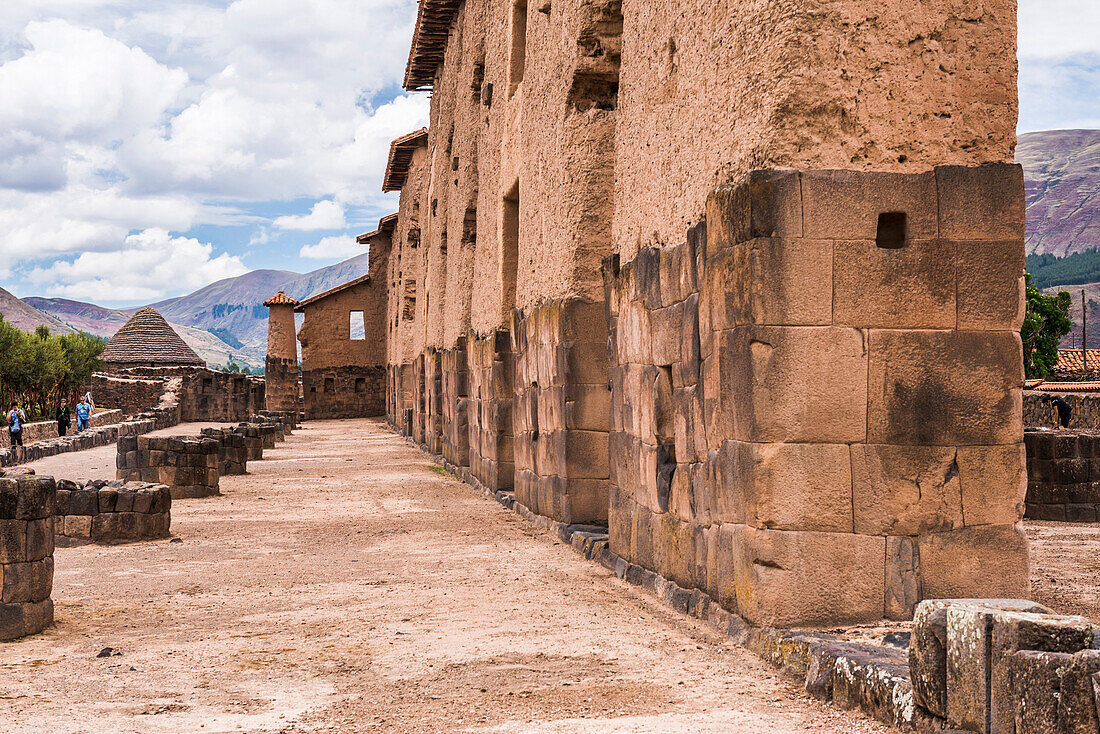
[128, 394]
[112, 512]
[1004, 665]
[154, 420]
[351, 391]
[1041, 414]
[232, 450]
[27, 505]
[188, 466]
[1063, 475]
[46, 430]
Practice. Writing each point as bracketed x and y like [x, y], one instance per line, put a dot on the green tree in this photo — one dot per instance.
[1046, 321]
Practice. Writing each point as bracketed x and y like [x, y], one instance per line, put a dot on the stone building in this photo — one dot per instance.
[147, 340]
[742, 281]
[343, 338]
[281, 363]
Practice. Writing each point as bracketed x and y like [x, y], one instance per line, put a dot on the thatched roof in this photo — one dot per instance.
[148, 339]
[433, 26]
[401, 153]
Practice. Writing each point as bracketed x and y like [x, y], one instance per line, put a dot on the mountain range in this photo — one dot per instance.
[1061, 182]
[223, 321]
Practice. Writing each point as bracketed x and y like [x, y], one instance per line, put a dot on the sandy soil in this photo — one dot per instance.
[348, 585]
[1065, 566]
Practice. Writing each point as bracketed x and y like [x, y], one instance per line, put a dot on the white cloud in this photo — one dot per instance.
[1058, 28]
[149, 264]
[339, 247]
[325, 214]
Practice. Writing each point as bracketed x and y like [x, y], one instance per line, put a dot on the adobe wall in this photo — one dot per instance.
[344, 377]
[281, 362]
[405, 265]
[850, 84]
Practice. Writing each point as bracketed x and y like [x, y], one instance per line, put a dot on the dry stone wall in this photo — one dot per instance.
[188, 466]
[112, 512]
[1063, 475]
[127, 394]
[232, 450]
[46, 430]
[779, 379]
[561, 409]
[27, 504]
[350, 391]
[1084, 415]
[491, 375]
[455, 405]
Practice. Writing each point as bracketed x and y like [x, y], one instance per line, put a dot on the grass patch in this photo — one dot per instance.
[441, 471]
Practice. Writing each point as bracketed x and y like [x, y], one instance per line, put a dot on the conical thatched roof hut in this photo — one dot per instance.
[146, 340]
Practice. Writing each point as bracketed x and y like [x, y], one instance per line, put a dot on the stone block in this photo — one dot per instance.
[13, 541]
[765, 203]
[78, 526]
[928, 646]
[905, 490]
[124, 502]
[30, 581]
[993, 483]
[792, 578]
[22, 619]
[809, 385]
[9, 498]
[726, 298]
[108, 497]
[912, 287]
[845, 205]
[985, 561]
[1012, 631]
[587, 407]
[981, 203]
[620, 520]
[666, 327]
[945, 388]
[792, 486]
[40, 538]
[37, 497]
[84, 502]
[991, 285]
[902, 578]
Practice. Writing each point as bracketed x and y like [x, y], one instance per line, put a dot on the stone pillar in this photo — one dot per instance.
[27, 506]
[281, 365]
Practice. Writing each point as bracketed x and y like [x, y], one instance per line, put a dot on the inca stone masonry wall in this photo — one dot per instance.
[1063, 475]
[112, 512]
[1040, 413]
[27, 504]
[860, 322]
[188, 466]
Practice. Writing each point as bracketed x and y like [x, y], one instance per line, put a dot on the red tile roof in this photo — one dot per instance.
[1070, 360]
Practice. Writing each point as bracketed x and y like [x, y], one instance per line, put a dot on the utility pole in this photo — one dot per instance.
[1084, 334]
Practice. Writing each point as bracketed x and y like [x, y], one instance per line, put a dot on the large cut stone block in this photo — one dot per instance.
[792, 578]
[905, 490]
[993, 482]
[945, 388]
[902, 578]
[912, 287]
[991, 285]
[792, 486]
[985, 561]
[762, 204]
[31, 581]
[793, 384]
[981, 203]
[1012, 631]
[928, 646]
[845, 205]
[790, 282]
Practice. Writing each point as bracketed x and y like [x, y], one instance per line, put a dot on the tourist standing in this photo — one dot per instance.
[16, 419]
[64, 419]
[83, 413]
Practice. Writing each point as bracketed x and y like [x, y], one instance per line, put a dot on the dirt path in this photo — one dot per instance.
[346, 585]
[1065, 566]
[99, 463]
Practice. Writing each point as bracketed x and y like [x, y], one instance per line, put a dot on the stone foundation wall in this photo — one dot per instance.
[433, 401]
[1063, 475]
[560, 414]
[27, 505]
[491, 376]
[281, 384]
[455, 405]
[188, 466]
[232, 450]
[797, 393]
[128, 394]
[220, 397]
[112, 512]
[344, 392]
[1084, 415]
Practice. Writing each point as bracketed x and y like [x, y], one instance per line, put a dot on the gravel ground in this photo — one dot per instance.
[348, 585]
[1065, 566]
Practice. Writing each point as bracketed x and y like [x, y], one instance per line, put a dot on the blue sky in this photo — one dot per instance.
[149, 147]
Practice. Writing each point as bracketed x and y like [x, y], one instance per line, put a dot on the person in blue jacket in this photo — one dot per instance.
[83, 413]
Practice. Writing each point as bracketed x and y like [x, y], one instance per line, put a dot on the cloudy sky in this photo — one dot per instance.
[149, 147]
